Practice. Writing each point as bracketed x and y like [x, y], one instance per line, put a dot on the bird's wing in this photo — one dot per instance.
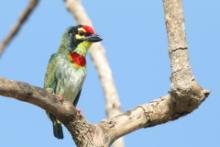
[50, 80]
[77, 98]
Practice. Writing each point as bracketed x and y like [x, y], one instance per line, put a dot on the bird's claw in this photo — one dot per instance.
[60, 98]
[50, 90]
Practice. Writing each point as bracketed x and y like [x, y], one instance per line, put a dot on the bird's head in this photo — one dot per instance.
[83, 35]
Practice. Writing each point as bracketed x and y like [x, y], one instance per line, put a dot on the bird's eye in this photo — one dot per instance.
[81, 33]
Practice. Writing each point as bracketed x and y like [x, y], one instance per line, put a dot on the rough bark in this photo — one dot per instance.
[81, 130]
[104, 133]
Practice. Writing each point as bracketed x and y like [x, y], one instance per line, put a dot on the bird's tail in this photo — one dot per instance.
[57, 129]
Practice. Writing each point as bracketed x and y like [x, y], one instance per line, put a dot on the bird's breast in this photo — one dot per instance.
[69, 79]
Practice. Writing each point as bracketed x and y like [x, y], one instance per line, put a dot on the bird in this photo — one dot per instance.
[66, 69]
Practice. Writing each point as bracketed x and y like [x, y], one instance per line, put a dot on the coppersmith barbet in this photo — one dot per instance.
[66, 69]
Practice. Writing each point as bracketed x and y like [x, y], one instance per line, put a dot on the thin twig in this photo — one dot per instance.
[22, 19]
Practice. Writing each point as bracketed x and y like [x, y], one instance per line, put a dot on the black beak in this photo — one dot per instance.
[93, 38]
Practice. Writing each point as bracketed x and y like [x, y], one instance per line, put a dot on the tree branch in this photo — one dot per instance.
[105, 132]
[185, 94]
[183, 84]
[151, 114]
[37, 96]
[101, 63]
[178, 48]
[22, 19]
[65, 111]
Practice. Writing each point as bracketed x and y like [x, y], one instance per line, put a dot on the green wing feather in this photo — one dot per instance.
[50, 80]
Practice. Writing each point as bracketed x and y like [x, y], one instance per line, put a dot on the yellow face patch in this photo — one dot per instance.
[79, 37]
[81, 32]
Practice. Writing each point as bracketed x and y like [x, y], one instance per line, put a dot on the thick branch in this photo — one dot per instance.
[103, 134]
[182, 75]
[184, 87]
[154, 113]
[22, 19]
[37, 96]
[186, 95]
[101, 63]
[82, 132]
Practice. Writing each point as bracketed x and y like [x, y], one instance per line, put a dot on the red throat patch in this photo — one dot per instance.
[78, 59]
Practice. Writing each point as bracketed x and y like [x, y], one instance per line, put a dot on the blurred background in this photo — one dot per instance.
[136, 45]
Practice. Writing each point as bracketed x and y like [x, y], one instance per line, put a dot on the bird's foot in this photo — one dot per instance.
[60, 98]
[50, 90]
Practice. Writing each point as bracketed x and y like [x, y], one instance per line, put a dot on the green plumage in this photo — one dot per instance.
[63, 77]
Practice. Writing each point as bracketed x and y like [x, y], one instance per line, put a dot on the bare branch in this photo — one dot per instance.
[37, 96]
[151, 114]
[22, 19]
[104, 133]
[101, 63]
[185, 96]
[182, 75]
[82, 131]
[183, 83]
